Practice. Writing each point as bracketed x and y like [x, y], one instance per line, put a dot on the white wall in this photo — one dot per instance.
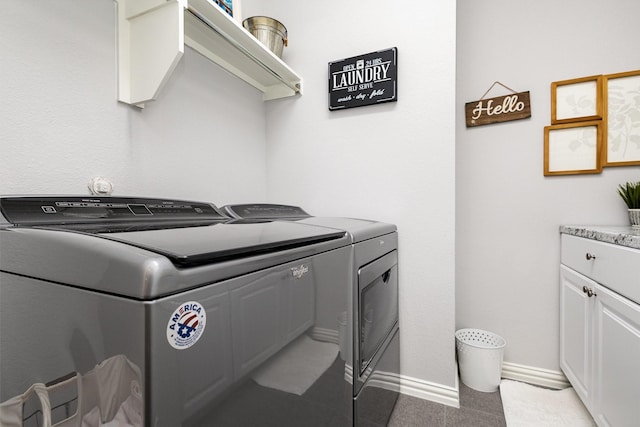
[508, 213]
[61, 123]
[392, 162]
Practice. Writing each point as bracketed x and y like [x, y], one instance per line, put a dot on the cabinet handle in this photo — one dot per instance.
[589, 292]
[589, 256]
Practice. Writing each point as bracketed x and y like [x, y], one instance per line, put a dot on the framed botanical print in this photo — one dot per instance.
[576, 100]
[573, 148]
[621, 145]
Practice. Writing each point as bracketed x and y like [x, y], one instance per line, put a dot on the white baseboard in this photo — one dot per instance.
[390, 381]
[450, 395]
[386, 380]
[536, 376]
[430, 391]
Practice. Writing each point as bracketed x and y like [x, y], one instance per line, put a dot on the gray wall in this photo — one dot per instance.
[508, 213]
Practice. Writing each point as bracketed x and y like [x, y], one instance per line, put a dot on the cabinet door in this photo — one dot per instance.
[616, 382]
[575, 331]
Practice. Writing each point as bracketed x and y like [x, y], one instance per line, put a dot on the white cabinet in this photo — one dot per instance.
[616, 360]
[575, 330]
[600, 328]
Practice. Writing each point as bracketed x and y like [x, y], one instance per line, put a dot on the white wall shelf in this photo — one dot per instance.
[151, 39]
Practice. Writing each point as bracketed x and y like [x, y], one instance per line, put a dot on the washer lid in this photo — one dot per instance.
[193, 246]
[358, 229]
[188, 233]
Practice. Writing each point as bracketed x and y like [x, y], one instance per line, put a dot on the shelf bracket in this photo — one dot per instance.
[150, 45]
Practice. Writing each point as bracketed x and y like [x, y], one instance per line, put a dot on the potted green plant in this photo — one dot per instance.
[630, 193]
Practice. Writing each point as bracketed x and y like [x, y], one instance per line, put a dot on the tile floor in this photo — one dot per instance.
[477, 409]
[324, 405]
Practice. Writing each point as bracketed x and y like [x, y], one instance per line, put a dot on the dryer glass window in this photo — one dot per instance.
[377, 305]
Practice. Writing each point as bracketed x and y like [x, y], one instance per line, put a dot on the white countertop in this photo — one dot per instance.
[618, 235]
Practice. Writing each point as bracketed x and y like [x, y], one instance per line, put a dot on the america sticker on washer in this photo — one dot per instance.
[186, 325]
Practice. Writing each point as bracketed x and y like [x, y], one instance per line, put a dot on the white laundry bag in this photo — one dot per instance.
[108, 396]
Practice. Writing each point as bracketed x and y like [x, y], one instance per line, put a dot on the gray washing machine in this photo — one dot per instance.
[370, 336]
[152, 312]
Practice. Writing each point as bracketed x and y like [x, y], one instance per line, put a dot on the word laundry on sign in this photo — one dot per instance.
[365, 77]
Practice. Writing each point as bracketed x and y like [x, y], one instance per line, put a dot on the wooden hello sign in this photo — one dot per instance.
[496, 110]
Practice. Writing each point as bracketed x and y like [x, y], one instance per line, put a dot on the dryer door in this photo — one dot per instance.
[377, 306]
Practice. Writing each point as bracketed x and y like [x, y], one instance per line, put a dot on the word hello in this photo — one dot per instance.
[510, 104]
[495, 110]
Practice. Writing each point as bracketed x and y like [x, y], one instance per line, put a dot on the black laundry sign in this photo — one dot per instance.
[364, 80]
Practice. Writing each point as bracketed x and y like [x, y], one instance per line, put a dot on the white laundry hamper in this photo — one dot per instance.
[480, 356]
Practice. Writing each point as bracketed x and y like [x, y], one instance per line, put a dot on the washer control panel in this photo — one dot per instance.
[265, 211]
[34, 210]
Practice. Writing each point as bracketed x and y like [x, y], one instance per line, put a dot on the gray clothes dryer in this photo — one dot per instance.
[370, 334]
